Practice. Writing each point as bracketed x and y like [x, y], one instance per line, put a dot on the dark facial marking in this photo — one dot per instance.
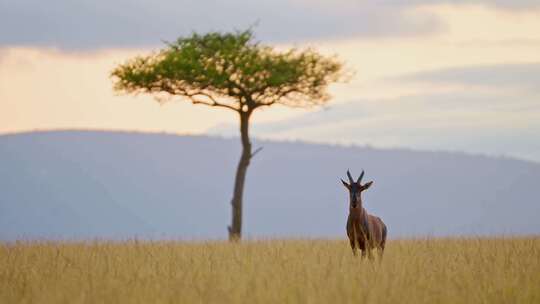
[354, 193]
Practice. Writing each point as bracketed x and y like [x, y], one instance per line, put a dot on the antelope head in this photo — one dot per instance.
[355, 189]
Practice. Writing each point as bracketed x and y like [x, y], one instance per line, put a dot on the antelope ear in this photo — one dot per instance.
[346, 185]
[367, 185]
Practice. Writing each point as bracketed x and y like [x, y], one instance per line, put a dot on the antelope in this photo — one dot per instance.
[364, 230]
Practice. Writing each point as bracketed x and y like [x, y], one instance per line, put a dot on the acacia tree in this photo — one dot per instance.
[233, 72]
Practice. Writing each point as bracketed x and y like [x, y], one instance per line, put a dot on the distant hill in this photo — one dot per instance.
[91, 184]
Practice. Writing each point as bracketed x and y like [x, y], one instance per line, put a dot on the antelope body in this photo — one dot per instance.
[364, 230]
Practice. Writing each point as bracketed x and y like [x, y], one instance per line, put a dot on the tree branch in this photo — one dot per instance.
[212, 104]
[275, 97]
[263, 104]
[256, 151]
[194, 100]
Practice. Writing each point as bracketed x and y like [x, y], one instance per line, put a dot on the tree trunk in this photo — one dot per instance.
[235, 229]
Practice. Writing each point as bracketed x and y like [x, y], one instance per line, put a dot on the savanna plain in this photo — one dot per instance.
[431, 270]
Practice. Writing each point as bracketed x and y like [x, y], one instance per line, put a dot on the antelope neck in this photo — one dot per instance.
[357, 211]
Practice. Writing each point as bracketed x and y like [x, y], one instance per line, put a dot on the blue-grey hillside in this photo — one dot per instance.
[86, 184]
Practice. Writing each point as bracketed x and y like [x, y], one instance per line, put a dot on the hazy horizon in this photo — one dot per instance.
[255, 138]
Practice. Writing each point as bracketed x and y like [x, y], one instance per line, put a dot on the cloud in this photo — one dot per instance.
[3, 56]
[489, 43]
[92, 24]
[87, 24]
[501, 4]
[523, 76]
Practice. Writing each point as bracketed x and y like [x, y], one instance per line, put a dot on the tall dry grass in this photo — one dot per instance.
[499, 270]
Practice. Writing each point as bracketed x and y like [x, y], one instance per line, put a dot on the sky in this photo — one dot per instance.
[428, 75]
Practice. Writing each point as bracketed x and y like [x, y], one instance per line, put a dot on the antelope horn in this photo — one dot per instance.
[351, 181]
[360, 177]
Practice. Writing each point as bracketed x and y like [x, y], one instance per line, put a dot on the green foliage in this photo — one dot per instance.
[231, 70]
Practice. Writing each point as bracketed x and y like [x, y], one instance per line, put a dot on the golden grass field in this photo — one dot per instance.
[473, 270]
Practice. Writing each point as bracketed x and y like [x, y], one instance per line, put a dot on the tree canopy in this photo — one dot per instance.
[230, 70]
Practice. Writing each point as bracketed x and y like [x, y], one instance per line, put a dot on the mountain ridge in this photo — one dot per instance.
[256, 139]
[87, 184]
